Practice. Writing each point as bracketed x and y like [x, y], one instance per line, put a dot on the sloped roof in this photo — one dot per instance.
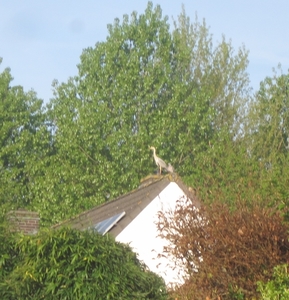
[132, 204]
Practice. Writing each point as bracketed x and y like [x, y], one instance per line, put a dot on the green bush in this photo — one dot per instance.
[69, 264]
[9, 256]
[278, 287]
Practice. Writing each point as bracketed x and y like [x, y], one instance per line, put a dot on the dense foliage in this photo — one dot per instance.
[278, 287]
[147, 84]
[24, 142]
[9, 255]
[69, 264]
[268, 133]
[225, 253]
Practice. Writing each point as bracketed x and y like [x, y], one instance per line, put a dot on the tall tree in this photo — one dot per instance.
[23, 140]
[268, 135]
[145, 85]
[270, 118]
[217, 69]
[104, 116]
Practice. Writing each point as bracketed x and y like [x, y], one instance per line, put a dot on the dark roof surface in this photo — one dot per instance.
[132, 204]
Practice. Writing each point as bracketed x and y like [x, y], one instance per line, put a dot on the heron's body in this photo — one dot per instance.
[159, 162]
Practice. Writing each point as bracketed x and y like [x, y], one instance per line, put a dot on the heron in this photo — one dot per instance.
[159, 162]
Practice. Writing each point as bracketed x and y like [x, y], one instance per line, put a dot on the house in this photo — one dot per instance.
[132, 219]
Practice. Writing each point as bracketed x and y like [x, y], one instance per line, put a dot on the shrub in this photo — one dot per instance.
[69, 264]
[9, 256]
[278, 287]
[224, 252]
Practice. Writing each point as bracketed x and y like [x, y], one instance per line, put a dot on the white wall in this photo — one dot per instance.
[142, 234]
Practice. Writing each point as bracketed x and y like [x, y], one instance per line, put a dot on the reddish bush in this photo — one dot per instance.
[224, 252]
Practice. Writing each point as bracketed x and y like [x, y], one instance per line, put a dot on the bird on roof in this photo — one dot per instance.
[159, 162]
[170, 168]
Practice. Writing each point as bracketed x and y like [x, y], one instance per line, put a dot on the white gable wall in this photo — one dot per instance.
[142, 234]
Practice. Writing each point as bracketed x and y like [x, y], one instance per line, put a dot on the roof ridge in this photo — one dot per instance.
[155, 179]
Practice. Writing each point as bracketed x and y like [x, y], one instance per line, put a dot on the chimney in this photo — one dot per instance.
[24, 221]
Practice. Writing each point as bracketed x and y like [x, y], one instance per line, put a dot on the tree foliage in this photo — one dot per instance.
[224, 253]
[24, 142]
[145, 85]
[268, 138]
[69, 264]
[270, 120]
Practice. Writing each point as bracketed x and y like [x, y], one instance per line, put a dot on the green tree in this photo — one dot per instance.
[270, 118]
[70, 264]
[24, 140]
[217, 70]
[268, 137]
[146, 85]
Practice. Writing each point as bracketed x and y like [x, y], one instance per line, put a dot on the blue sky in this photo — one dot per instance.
[43, 40]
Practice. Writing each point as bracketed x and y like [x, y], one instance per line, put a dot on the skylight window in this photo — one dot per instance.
[104, 226]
